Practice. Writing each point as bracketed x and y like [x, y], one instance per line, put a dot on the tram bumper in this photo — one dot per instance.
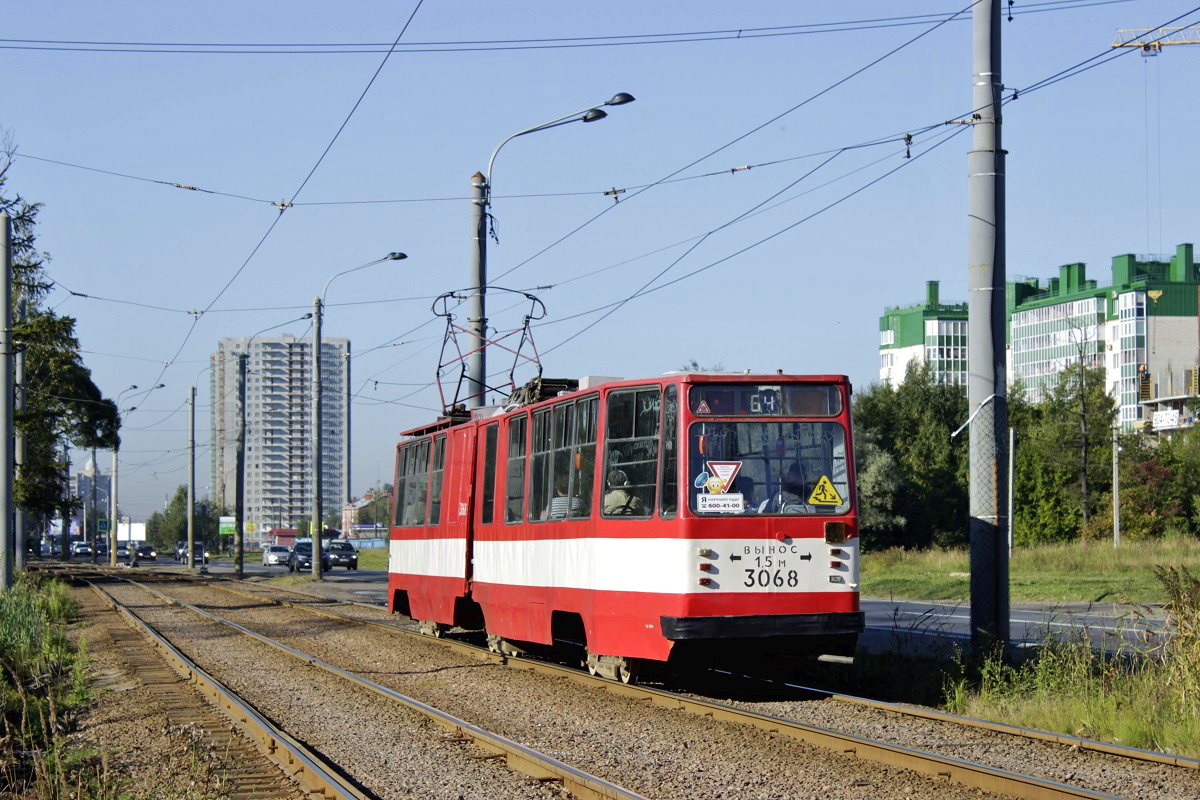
[758, 626]
[823, 637]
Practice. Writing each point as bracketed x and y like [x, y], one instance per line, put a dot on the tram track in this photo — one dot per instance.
[943, 768]
[1070, 743]
[541, 775]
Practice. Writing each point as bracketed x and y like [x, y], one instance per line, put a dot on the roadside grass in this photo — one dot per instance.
[43, 684]
[1145, 695]
[373, 558]
[1059, 573]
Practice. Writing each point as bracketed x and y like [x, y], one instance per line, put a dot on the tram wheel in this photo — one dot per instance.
[627, 670]
[592, 662]
[430, 628]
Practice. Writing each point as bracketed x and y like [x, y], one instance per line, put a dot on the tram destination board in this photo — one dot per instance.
[741, 400]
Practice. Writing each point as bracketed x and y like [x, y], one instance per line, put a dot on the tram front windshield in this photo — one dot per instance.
[768, 466]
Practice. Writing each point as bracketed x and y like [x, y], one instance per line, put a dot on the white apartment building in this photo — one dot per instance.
[278, 477]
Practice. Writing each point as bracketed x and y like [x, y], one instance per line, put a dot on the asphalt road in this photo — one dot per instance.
[891, 624]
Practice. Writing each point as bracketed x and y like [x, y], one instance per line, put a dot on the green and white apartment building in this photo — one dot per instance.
[1143, 328]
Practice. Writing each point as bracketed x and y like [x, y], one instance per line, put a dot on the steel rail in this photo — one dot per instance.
[963, 772]
[1066, 740]
[1107, 748]
[966, 773]
[517, 757]
[299, 763]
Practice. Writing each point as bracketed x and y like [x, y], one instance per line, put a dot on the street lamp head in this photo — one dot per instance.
[161, 386]
[307, 316]
[396, 256]
[594, 115]
[620, 99]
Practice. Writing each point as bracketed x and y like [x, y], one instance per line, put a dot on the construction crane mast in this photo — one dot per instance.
[1152, 40]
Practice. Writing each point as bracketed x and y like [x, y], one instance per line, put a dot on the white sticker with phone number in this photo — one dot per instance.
[726, 503]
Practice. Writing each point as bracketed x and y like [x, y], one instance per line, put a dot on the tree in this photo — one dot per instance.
[165, 528]
[63, 406]
[912, 424]
[879, 485]
[379, 510]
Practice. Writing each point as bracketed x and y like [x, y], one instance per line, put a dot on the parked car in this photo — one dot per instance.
[275, 554]
[146, 553]
[301, 557]
[341, 554]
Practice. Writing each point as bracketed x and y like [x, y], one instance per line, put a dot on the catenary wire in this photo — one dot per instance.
[275, 222]
[612, 307]
[501, 45]
[912, 40]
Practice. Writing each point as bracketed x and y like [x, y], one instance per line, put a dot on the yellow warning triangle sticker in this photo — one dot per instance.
[825, 494]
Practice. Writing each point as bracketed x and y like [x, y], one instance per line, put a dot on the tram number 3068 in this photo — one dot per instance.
[771, 578]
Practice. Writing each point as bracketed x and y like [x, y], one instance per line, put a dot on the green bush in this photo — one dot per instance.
[43, 680]
[1146, 696]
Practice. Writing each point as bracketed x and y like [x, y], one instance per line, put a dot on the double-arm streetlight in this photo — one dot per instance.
[114, 523]
[239, 541]
[481, 199]
[316, 527]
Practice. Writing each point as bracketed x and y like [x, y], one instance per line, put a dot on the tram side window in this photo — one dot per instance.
[583, 476]
[412, 485]
[539, 466]
[561, 500]
[631, 453]
[669, 483]
[515, 480]
[435, 482]
[398, 491]
[489, 472]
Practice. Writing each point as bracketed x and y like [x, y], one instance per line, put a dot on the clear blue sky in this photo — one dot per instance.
[1098, 166]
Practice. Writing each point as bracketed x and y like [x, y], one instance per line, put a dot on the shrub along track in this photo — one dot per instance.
[639, 739]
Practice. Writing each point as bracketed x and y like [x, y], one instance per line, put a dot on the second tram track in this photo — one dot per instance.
[1060, 758]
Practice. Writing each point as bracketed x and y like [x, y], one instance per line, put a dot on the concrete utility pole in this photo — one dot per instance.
[114, 522]
[477, 322]
[19, 399]
[316, 527]
[6, 409]
[987, 391]
[191, 505]
[1116, 487]
[95, 518]
[239, 508]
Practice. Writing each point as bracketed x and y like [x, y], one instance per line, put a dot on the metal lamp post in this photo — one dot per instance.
[317, 525]
[95, 518]
[481, 199]
[113, 523]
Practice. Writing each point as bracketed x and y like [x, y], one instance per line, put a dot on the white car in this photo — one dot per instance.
[274, 554]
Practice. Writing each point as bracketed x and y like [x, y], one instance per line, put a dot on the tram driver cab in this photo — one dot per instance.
[792, 494]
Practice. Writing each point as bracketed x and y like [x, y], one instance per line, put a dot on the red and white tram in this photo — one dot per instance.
[687, 518]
